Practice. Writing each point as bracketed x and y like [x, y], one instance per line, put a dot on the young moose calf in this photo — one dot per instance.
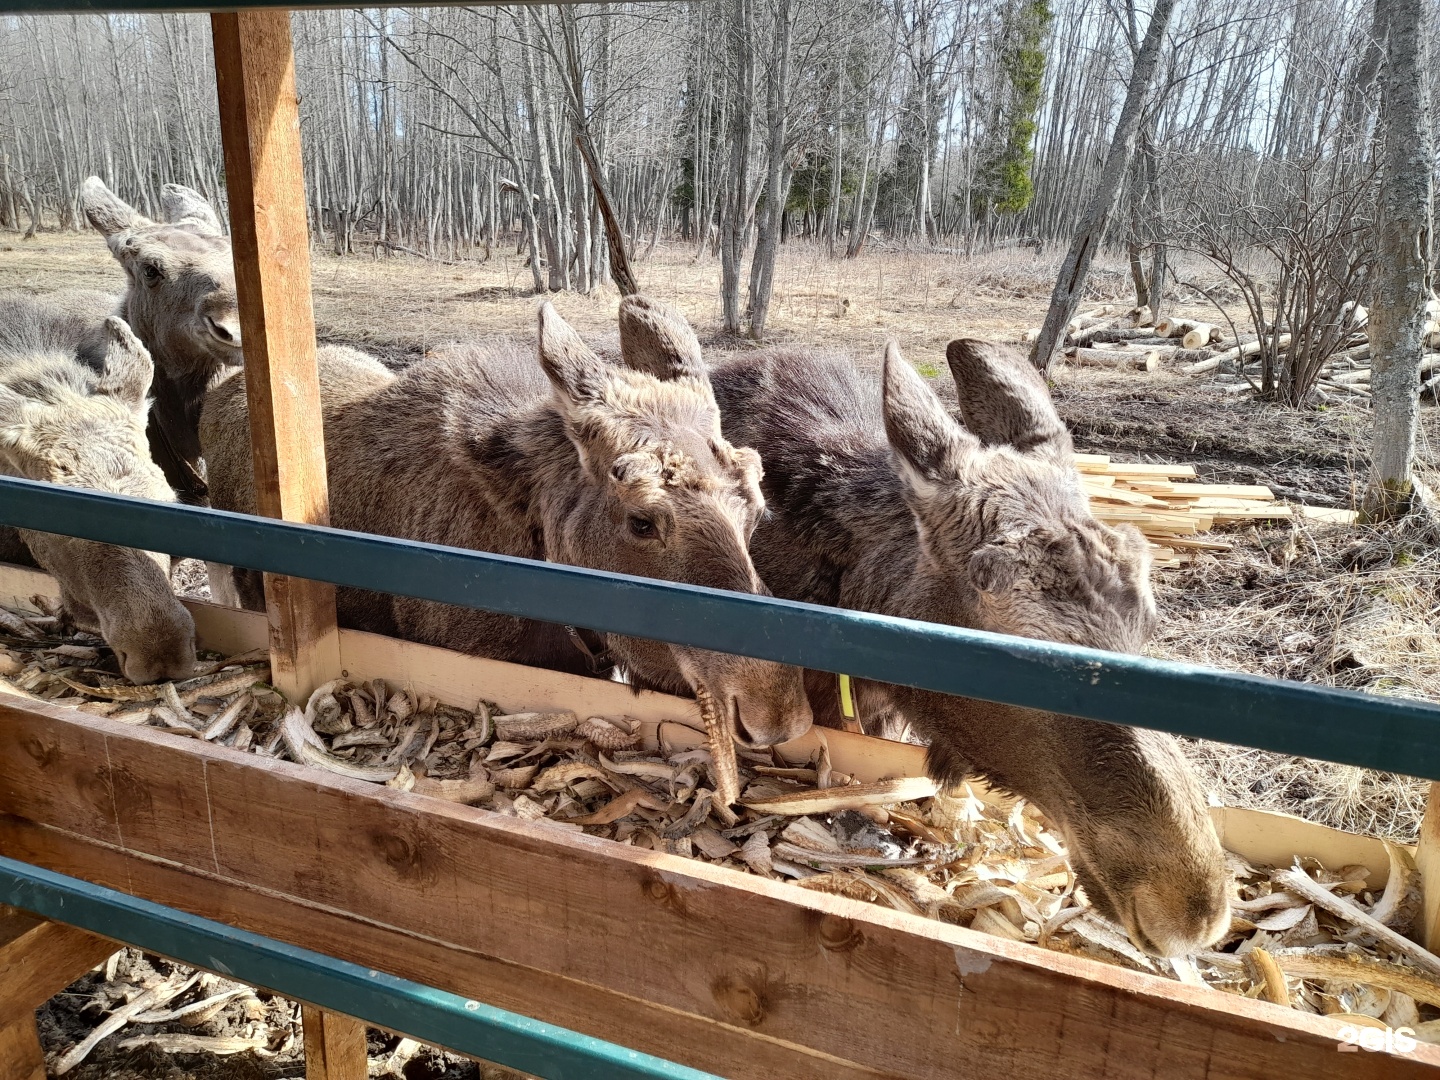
[613, 467]
[883, 503]
[69, 423]
[180, 301]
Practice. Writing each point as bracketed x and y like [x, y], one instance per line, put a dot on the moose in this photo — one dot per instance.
[82, 425]
[180, 301]
[614, 466]
[881, 501]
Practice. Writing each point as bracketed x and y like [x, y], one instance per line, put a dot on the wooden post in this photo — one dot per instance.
[260, 131]
[1427, 861]
[38, 959]
[20, 1055]
[334, 1045]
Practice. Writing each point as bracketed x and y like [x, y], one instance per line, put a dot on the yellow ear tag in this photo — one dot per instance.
[847, 698]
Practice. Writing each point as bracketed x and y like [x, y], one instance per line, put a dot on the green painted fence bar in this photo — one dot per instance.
[1359, 729]
[426, 1014]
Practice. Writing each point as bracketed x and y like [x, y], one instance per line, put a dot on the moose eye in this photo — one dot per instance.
[644, 528]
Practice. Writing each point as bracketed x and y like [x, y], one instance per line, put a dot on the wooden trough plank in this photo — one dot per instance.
[577, 1006]
[751, 963]
[260, 132]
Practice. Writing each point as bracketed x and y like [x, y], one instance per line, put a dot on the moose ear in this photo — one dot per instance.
[109, 213]
[1004, 400]
[993, 568]
[657, 339]
[576, 373]
[128, 369]
[186, 206]
[929, 447]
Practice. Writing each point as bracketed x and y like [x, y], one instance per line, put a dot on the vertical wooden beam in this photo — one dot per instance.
[38, 959]
[334, 1045]
[1427, 861]
[260, 131]
[20, 1055]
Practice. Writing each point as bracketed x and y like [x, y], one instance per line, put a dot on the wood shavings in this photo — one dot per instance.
[1300, 882]
[155, 997]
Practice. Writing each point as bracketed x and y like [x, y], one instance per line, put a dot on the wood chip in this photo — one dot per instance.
[1267, 974]
[756, 854]
[534, 725]
[219, 1045]
[468, 792]
[1354, 967]
[711, 844]
[906, 789]
[307, 748]
[618, 807]
[606, 735]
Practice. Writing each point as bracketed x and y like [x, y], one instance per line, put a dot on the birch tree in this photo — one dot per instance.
[1403, 270]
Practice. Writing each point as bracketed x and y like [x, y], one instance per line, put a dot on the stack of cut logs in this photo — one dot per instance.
[1110, 336]
[1165, 504]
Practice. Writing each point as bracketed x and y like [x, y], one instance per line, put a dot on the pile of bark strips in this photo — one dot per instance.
[1316, 938]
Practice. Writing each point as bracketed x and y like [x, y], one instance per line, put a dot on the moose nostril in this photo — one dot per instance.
[227, 333]
[737, 727]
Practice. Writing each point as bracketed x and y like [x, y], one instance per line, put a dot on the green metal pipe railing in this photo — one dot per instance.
[426, 1014]
[1391, 734]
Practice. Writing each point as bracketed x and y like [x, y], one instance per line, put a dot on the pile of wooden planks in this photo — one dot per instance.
[1167, 504]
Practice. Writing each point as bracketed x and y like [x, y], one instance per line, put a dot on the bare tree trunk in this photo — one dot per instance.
[1406, 224]
[736, 201]
[777, 173]
[1070, 283]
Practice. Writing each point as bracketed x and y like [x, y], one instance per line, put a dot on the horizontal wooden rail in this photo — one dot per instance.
[432, 1016]
[1338, 725]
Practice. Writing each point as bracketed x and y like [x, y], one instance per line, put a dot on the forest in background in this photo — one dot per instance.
[735, 125]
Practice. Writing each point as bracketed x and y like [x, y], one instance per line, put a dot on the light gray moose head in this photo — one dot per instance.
[181, 296]
[63, 422]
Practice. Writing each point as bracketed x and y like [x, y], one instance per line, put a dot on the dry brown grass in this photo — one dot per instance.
[1340, 606]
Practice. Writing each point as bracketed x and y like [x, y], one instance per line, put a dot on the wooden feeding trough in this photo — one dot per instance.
[737, 975]
[729, 973]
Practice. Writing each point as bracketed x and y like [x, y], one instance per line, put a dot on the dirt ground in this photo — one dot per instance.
[1341, 605]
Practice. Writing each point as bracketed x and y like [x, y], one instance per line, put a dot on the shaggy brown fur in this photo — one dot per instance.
[619, 468]
[64, 422]
[180, 301]
[882, 502]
